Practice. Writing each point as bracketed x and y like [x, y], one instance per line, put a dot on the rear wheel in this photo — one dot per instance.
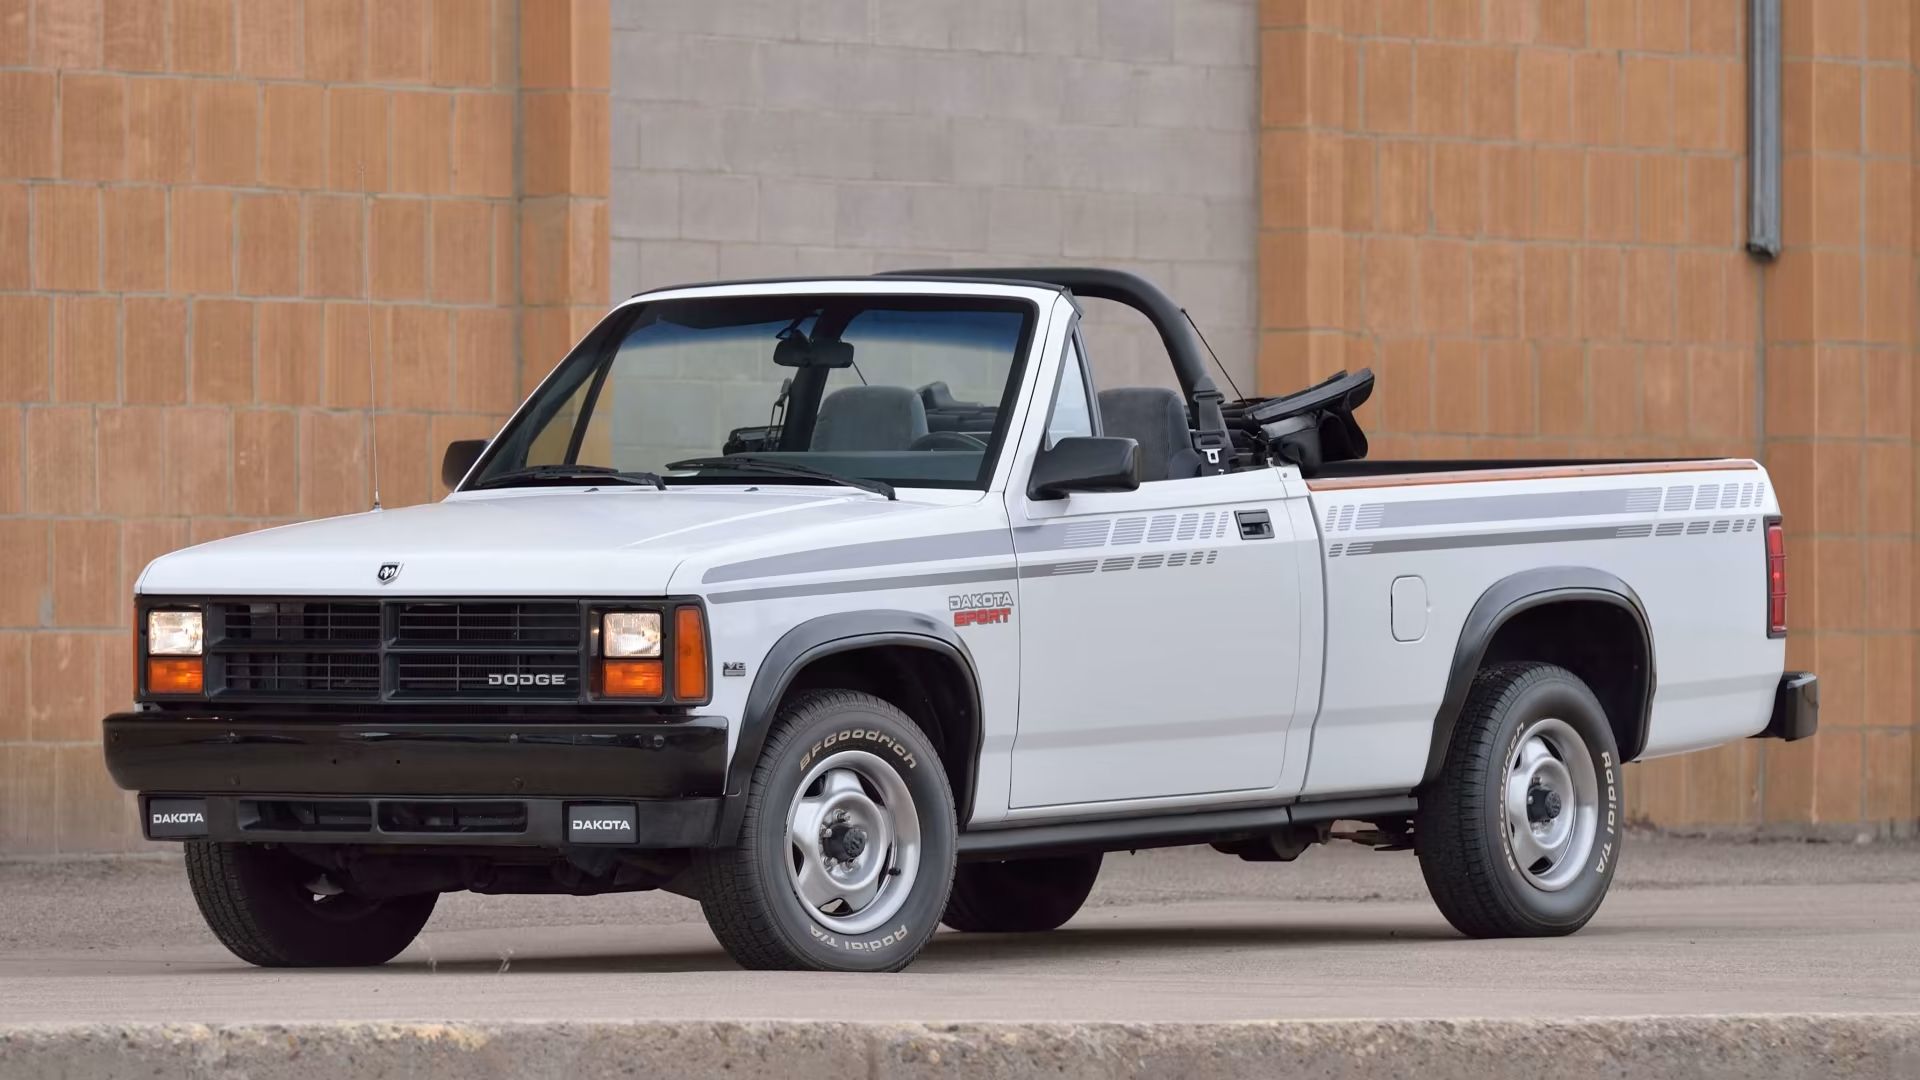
[274, 910]
[1020, 895]
[1520, 834]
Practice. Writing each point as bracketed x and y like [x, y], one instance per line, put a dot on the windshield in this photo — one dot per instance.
[906, 390]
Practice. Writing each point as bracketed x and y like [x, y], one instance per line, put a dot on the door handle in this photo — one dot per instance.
[1254, 524]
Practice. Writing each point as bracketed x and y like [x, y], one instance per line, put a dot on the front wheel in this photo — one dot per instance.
[274, 910]
[846, 851]
[1520, 834]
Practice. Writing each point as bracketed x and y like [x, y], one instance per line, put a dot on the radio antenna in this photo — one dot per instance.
[1216, 356]
[366, 292]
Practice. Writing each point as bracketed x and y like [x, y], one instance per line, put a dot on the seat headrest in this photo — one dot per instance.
[1156, 418]
[870, 418]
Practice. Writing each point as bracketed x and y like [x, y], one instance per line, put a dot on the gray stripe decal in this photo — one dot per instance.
[1446, 543]
[970, 545]
[1078, 534]
[824, 588]
[1547, 504]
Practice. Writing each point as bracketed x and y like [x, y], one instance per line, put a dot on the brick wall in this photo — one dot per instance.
[240, 242]
[1528, 217]
[768, 137]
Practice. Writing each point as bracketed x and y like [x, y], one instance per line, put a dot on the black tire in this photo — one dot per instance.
[1020, 896]
[255, 901]
[747, 890]
[1461, 831]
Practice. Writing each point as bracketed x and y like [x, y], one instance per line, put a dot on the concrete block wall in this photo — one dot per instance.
[763, 137]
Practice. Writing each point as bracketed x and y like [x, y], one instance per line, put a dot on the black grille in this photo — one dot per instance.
[486, 674]
[530, 622]
[347, 673]
[301, 621]
[418, 650]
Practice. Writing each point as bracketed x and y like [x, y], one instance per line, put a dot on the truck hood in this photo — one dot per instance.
[520, 542]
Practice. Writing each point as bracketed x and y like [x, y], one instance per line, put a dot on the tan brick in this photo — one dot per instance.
[1602, 277]
[66, 236]
[25, 574]
[462, 251]
[86, 573]
[1889, 488]
[1559, 193]
[135, 35]
[485, 378]
[357, 139]
[202, 250]
[267, 228]
[1392, 284]
[1545, 96]
[563, 43]
[26, 337]
[293, 118]
[1838, 775]
[1459, 381]
[265, 462]
[144, 540]
[226, 123]
[1699, 103]
[1649, 102]
[1789, 296]
[1445, 273]
[335, 40]
[1839, 408]
[1833, 123]
[506, 269]
[1613, 381]
[92, 127]
[1496, 290]
[94, 815]
[270, 39]
[15, 218]
[1562, 22]
[1597, 98]
[1401, 202]
[60, 448]
[1613, 24]
[418, 372]
[86, 345]
[159, 129]
[1890, 773]
[461, 44]
[1697, 300]
[1721, 392]
[333, 464]
[399, 249]
[26, 124]
[1611, 187]
[27, 805]
[1389, 86]
[335, 234]
[422, 135]
[222, 351]
[1457, 188]
[347, 380]
[13, 429]
[406, 453]
[133, 455]
[290, 341]
[1491, 82]
[199, 459]
[63, 682]
[65, 34]
[136, 239]
[202, 36]
[397, 42]
[483, 145]
[1888, 111]
[1887, 289]
[1443, 88]
[1836, 300]
[1649, 295]
[156, 349]
[1661, 183]
[1508, 368]
[1506, 176]
[1888, 29]
[1711, 207]
[1549, 307]
[13, 707]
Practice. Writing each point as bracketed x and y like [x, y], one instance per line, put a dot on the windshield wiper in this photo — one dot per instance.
[594, 474]
[771, 466]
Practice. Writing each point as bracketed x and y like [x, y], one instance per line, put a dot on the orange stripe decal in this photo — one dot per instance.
[1544, 472]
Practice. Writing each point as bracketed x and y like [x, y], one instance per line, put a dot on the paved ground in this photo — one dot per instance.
[1692, 928]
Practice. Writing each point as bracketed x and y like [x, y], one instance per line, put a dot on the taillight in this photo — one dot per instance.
[1776, 579]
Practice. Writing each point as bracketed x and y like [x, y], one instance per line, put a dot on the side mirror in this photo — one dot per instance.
[459, 460]
[1085, 463]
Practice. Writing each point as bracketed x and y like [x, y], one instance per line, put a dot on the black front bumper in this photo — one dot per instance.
[325, 779]
[1796, 708]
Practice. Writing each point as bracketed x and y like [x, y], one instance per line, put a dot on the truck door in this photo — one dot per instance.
[1160, 628]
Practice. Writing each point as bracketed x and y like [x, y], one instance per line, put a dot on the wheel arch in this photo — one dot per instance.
[1545, 614]
[910, 659]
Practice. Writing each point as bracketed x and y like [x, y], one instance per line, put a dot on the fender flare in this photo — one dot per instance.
[1507, 598]
[825, 636]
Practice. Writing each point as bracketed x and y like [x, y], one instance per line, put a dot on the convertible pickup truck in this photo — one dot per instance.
[850, 607]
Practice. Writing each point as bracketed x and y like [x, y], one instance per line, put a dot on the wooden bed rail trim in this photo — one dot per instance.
[1547, 472]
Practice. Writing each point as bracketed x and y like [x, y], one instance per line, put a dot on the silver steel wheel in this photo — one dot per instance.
[853, 839]
[1551, 803]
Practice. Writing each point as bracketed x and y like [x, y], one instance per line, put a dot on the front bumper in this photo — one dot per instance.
[325, 779]
[1796, 708]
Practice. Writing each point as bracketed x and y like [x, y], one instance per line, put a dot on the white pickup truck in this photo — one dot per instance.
[849, 607]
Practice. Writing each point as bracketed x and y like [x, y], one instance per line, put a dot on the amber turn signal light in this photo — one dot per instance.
[633, 678]
[689, 654]
[174, 675]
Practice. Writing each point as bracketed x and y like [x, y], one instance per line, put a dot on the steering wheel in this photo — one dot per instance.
[947, 440]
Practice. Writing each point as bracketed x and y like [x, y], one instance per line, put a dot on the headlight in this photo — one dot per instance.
[630, 634]
[174, 633]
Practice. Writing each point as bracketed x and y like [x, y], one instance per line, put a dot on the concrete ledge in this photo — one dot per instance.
[1731, 1047]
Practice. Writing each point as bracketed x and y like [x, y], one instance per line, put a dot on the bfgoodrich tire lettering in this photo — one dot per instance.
[1531, 746]
[256, 900]
[845, 777]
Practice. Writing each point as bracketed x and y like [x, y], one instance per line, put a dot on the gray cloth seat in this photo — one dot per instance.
[870, 418]
[1156, 418]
